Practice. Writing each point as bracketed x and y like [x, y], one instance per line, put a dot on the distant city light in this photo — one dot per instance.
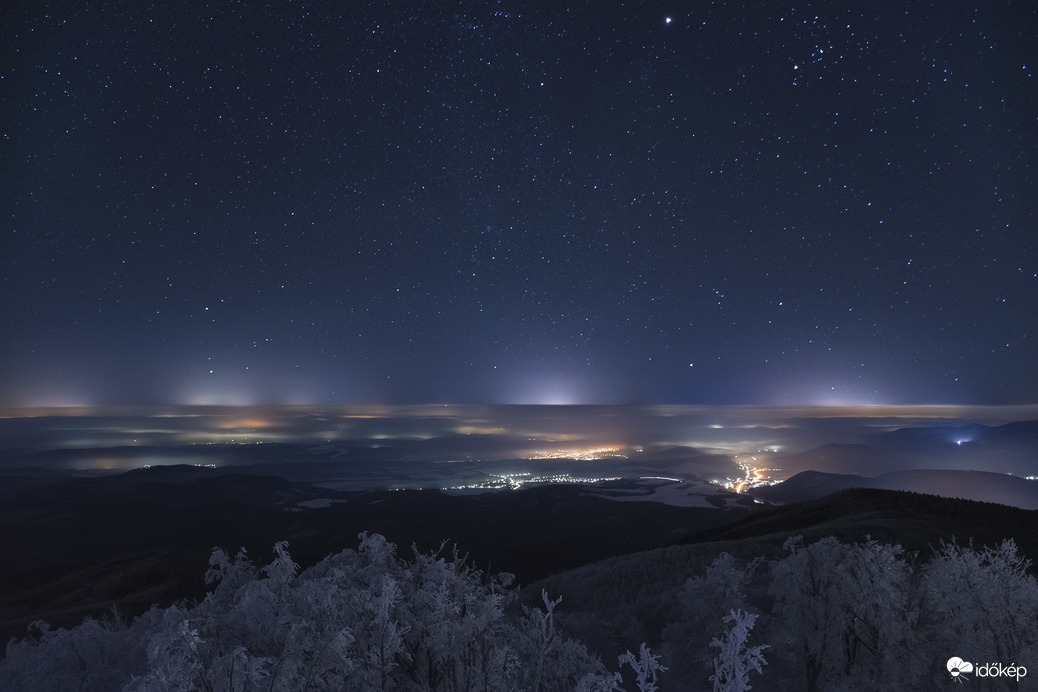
[582, 454]
[515, 481]
[754, 476]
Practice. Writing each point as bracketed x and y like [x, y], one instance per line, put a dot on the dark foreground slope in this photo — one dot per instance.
[613, 604]
[79, 547]
[74, 548]
[917, 522]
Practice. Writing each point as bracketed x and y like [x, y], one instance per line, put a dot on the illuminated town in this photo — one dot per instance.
[582, 454]
[754, 476]
[514, 481]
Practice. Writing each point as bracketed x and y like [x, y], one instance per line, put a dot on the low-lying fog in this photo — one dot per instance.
[405, 446]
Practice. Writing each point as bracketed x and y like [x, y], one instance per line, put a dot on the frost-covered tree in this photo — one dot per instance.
[358, 620]
[541, 636]
[837, 617]
[703, 603]
[735, 661]
[607, 682]
[452, 624]
[98, 655]
[981, 604]
[844, 611]
[549, 660]
[381, 644]
[257, 628]
[646, 667]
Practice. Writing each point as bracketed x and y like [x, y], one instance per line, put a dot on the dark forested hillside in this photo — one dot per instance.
[917, 521]
[73, 548]
[956, 562]
[628, 572]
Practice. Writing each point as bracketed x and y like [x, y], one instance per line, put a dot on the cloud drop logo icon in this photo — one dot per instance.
[956, 667]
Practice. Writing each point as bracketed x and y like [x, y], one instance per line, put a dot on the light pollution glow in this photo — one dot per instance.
[545, 430]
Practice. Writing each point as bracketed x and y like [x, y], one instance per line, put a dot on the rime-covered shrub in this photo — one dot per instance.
[735, 660]
[98, 655]
[981, 605]
[834, 616]
[844, 612]
[359, 620]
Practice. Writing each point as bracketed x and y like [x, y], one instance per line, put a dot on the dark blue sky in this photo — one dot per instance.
[760, 203]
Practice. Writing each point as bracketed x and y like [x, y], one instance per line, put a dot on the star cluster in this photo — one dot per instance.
[713, 203]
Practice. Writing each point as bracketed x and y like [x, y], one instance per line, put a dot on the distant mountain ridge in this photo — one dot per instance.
[980, 486]
[1020, 432]
[936, 459]
[1010, 448]
[843, 458]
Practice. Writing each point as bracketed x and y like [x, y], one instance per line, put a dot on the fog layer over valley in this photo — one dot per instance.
[99, 438]
[678, 454]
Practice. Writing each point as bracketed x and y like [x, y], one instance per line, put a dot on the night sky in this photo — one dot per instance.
[699, 203]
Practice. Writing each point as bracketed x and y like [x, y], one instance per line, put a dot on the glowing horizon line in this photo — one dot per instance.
[828, 410]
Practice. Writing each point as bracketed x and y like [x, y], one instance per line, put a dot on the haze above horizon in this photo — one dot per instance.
[496, 429]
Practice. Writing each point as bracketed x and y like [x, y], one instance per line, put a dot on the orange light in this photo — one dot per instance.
[245, 423]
